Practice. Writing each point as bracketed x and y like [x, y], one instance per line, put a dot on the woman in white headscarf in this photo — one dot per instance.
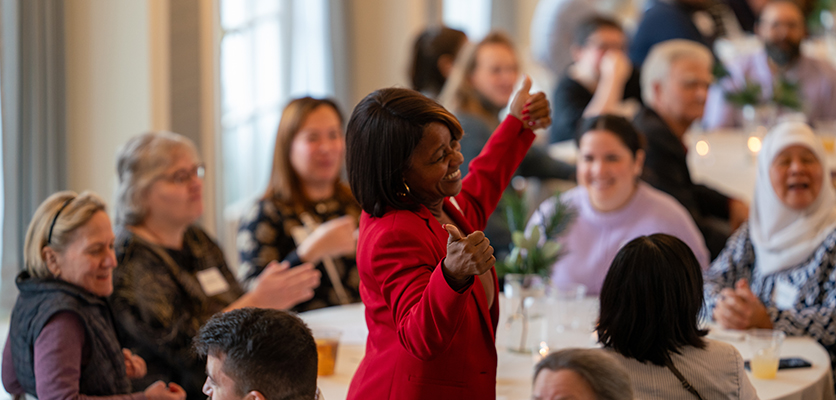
[777, 270]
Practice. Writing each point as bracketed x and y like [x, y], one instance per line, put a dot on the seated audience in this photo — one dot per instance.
[62, 340]
[612, 205]
[649, 319]
[598, 80]
[433, 57]
[781, 27]
[675, 19]
[675, 80]
[481, 86]
[777, 270]
[581, 374]
[258, 354]
[307, 213]
[172, 276]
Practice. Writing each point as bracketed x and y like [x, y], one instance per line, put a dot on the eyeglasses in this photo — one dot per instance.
[185, 175]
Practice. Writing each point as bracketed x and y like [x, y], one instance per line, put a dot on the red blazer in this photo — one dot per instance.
[427, 341]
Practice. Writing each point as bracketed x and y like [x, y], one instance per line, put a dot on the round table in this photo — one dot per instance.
[513, 381]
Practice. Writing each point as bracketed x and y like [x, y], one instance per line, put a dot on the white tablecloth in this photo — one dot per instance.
[513, 380]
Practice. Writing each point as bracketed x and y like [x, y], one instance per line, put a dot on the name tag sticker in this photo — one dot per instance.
[784, 295]
[212, 281]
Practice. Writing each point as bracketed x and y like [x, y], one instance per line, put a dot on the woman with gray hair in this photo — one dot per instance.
[581, 374]
[173, 276]
[62, 341]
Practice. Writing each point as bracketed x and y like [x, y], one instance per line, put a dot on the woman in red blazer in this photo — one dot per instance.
[426, 269]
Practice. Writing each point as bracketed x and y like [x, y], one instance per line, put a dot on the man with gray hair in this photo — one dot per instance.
[675, 78]
[582, 374]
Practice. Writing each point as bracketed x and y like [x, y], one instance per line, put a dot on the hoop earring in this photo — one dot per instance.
[406, 193]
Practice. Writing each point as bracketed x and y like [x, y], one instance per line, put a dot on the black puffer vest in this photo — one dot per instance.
[39, 299]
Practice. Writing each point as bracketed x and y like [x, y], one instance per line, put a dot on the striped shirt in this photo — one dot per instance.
[716, 372]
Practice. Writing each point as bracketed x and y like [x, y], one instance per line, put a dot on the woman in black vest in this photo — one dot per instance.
[62, 341]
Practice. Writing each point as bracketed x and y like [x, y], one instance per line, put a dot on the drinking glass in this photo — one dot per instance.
[766, 351]
[327, 341]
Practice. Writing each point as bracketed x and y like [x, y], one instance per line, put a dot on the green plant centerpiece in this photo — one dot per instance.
[527, 267]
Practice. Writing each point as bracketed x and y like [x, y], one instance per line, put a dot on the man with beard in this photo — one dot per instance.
[781, 27]
[674, 83]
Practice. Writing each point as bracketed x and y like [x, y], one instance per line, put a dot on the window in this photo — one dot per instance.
[271, 51]
[473, 17]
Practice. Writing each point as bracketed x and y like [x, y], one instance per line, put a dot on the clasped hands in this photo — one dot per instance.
[739, 308]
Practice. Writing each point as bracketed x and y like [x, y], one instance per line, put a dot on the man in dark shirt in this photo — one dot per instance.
[675, 81]
[598, 80]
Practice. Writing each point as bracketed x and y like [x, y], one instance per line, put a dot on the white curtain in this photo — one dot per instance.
[33, 120]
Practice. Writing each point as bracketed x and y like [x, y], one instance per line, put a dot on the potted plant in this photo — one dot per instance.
[527, 267]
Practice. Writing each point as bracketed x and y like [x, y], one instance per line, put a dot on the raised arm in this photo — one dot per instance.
[491, 171]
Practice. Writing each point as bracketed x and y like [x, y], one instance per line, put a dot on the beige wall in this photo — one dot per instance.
[108, 87]
[118, 85]
[382, 32]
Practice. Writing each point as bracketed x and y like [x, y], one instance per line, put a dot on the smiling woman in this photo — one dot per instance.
[307, 212]
[429, 283]
[777, 270]
[62, 341]
[613, 205]
[172, 276]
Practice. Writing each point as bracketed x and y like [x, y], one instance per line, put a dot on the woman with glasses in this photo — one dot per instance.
[172, 276]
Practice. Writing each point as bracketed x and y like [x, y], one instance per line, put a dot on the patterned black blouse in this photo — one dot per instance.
[162, 297]
[265, 235]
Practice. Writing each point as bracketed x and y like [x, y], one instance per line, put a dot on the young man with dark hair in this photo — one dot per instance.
[258, 354]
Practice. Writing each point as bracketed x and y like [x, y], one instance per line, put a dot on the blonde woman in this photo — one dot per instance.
[62, 341]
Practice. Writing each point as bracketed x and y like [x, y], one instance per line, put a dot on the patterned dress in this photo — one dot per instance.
[801, 300]
[265, 235]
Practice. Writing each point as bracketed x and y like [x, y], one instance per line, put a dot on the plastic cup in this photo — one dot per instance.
[327, 343]
[766, 351]
[567, 299]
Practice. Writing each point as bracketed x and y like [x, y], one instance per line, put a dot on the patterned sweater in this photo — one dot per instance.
[801, 300]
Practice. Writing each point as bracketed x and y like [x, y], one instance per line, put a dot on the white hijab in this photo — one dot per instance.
[783, 237]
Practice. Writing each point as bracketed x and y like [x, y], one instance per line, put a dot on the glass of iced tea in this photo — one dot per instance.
[766, 352]
[327, 342]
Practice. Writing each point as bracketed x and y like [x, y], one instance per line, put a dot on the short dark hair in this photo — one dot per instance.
[617, 125]
[651, 300]
[382, 133]
[431, 45]
[589, 26]
[267, 350]
[604, 374]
